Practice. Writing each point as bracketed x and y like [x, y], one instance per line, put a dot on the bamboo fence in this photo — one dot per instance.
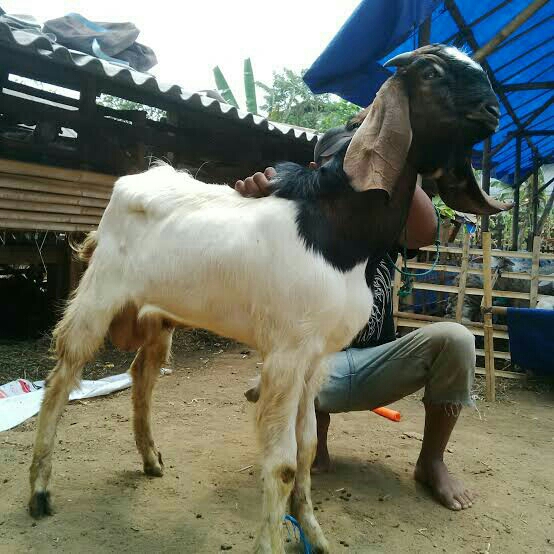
[486, 329]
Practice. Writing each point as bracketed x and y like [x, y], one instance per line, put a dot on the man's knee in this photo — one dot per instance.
[453, 342]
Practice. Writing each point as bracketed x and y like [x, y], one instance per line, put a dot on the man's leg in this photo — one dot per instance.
[431, 470]
[440, 357]
[322, 461]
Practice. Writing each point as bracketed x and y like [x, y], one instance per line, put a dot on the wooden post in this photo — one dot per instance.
[535, 197]
[87, 108]
[487, 328]
[396, 288]
[534, 291]
[517, 186]
[424, 33]
[463, 278]
[486, 179]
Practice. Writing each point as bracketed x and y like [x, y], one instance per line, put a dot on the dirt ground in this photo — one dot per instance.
[209, 498]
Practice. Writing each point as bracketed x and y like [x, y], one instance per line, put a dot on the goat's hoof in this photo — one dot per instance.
[40, 504]
[155, 469]
[320, 549]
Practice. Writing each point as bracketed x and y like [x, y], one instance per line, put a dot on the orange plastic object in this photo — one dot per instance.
[388, 413]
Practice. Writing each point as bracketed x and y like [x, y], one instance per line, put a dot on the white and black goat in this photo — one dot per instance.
[284, 274]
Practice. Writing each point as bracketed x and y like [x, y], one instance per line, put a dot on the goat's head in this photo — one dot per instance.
[429, 115]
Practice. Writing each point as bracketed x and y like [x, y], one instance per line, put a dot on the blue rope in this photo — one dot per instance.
[305, 543]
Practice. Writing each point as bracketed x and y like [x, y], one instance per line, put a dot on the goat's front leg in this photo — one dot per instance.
[145, 370]
[301, 500]
[276, 418]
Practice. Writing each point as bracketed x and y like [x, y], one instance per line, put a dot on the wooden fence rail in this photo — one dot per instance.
[487, 329]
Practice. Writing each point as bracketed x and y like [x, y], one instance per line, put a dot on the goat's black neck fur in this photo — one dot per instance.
[346, 227]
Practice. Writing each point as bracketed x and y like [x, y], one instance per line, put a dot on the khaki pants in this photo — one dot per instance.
[439, 357]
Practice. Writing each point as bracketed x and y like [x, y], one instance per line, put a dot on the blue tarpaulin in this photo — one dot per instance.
[351, 65]
[531, 339]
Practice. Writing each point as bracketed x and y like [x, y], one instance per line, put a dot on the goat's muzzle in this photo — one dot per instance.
[488, 114]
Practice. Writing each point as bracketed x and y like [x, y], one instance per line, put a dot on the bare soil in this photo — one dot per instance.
[210, 498]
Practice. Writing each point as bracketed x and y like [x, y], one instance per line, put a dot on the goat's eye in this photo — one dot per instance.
[430, 73]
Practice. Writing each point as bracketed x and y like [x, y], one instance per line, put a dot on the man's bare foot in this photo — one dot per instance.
[447, 490]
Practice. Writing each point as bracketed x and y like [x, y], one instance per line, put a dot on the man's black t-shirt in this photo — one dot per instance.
[380, 327]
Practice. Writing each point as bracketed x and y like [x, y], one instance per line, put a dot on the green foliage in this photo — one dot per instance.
[501, 224]
[444, 211]
[223, 87]
[117, 103]
[289, 100]
[250, 87]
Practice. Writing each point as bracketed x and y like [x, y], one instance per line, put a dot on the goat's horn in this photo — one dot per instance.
[406, 58]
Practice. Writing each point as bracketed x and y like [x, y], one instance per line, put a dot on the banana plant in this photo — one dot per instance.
[249, 87]
[223, 87]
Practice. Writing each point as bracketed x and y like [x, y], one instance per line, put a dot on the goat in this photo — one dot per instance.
[285, 274]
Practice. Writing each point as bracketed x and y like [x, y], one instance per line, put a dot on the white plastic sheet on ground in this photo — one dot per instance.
[20, 407]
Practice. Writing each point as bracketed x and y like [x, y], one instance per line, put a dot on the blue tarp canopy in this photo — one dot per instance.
[351, 65]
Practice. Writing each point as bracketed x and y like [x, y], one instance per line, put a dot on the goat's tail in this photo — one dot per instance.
[85, 250]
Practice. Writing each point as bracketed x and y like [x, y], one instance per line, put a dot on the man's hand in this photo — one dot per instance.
[257, 185]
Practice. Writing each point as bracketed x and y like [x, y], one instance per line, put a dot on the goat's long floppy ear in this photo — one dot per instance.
[378, 151]
[459, 190]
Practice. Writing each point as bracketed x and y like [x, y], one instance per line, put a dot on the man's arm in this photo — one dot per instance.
[421, 225]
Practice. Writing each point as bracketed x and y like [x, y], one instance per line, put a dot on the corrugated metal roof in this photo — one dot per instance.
[41, 46]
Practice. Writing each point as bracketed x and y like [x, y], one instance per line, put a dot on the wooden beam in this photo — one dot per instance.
[535, 198]
[14, 225]
[527, 122]
[517, 185]
[463, 278]
[486, 178]
[396, 289]
[476, 328]
[508, 29]
[500, 373]
[488, 329]
[546, 185]
[424, 33]
[534, 293]
[537, 133]
[495, 253]
[528, 86]
[72, 175]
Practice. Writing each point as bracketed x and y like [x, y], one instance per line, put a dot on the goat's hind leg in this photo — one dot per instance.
[145, 370]
[306, 439]
[78, 336]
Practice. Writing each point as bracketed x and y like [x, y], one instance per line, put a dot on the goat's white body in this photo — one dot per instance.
[171, 248]
[207, 257]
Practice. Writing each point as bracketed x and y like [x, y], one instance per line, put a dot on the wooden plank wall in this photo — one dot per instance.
[39, 197]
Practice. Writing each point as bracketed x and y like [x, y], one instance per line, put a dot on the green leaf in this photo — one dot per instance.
[444, 211]
[223, 87]
[250, 87]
